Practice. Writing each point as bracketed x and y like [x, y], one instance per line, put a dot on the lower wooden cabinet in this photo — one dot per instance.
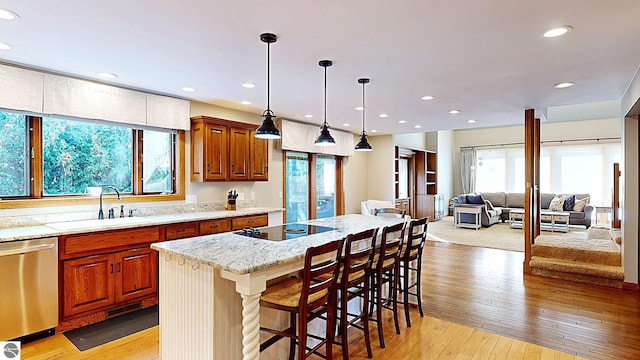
[249, 221]
[99, 281]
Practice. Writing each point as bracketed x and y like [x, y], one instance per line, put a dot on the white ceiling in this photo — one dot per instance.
[487, 58]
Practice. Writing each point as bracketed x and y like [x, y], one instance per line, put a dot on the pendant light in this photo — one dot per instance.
[268, 129]
[325, 139]
[363, 144]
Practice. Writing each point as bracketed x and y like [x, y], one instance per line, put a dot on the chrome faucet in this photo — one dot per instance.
[101, 213]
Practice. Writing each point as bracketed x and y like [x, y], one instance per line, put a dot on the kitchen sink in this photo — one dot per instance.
[93, 224]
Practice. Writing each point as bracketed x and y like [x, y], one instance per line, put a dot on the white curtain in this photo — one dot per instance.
[468, 170]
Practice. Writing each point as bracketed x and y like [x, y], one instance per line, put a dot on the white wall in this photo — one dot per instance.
[380, 169]
[445, 153]
[356, 183]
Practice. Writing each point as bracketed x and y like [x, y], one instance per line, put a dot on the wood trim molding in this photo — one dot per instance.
[631, 286]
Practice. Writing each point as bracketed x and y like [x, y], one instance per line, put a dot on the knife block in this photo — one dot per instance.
[231, 204]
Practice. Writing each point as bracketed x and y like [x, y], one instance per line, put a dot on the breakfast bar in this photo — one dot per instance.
[210, 286]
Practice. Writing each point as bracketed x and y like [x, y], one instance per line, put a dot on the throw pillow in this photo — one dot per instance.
[557, 203]
[569, 202]
[580, 204]
[475, 199]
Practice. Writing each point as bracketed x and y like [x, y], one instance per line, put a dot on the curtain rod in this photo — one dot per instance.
[541, 142]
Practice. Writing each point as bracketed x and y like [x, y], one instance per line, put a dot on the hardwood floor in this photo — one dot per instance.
[486, 289]
[478, 305]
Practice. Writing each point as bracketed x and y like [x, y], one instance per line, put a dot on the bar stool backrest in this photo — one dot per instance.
[320, 273]
[390, 243]
[358, 249]
[415, 238]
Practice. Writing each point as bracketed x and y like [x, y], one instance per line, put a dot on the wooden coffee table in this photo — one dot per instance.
[549, 220]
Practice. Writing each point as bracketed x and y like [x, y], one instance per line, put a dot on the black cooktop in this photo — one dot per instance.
[283, 232]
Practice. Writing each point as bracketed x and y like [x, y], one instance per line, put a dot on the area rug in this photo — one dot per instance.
[90, 336]
[497, 236]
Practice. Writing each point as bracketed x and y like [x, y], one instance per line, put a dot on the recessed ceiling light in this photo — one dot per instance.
[383, 115]
[454, 111]
[6, 14]
[188, 89]
[563, 85]
[248, 85]
[359, 108]
[107, 75]
[4, 46]
[559, 31]
[346, 124]
[308, 116]
[246, 102]
[427, 97]
[417, 126]
[374, 130]
[471, 121]
[402, 121]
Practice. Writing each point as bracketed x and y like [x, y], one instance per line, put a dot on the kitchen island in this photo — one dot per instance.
[210, 287]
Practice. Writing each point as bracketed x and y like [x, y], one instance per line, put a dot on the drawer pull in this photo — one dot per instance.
[181, 230]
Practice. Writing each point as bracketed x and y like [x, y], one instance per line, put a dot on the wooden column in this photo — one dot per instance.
[532, 180]
[615, 199]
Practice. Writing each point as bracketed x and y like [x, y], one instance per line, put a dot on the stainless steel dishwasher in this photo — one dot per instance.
[29, 287]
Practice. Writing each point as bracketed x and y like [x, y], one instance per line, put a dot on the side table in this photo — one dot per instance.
[474, 210]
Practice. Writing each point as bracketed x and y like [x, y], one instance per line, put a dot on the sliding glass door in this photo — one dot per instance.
[311, 179]
[297, 186]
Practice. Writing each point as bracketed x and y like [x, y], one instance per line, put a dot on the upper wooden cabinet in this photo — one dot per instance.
[224, 150]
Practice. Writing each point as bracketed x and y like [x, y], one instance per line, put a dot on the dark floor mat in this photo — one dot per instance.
[103, 332]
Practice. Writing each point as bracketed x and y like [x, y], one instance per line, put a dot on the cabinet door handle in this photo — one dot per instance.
[111, 268]
[118, 267]
[208, 167]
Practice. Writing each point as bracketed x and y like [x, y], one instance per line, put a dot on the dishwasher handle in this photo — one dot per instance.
[26, 250]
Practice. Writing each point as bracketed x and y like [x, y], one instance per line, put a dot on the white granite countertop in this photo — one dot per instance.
[241, 254]
[83, 226]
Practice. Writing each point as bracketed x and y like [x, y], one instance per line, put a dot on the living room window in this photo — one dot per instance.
[564, 169]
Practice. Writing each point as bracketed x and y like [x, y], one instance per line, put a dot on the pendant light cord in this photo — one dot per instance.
[268, 78]
[325, 95]
[363, 107]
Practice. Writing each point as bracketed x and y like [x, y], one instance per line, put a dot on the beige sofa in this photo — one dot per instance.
[511, 201]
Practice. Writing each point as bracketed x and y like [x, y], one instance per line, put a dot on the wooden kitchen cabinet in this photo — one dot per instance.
[107, 269]
[181, 230]
[136, 274]
[249, 221]
[214, 226]
[239, 153]
[88, 284]
[225, 150]
[259, 152]
[209, 159]
[101, 281]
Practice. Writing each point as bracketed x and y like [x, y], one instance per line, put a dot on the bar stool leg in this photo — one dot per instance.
[394, 298]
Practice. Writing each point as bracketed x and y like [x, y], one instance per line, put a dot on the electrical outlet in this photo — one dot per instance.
[240, 196]
[280, 195]
[253, 195]
[191, 199]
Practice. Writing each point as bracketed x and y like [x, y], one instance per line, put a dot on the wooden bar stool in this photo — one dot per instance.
[411, 252]
[385, 270]
[308, 297]
[352, 283]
